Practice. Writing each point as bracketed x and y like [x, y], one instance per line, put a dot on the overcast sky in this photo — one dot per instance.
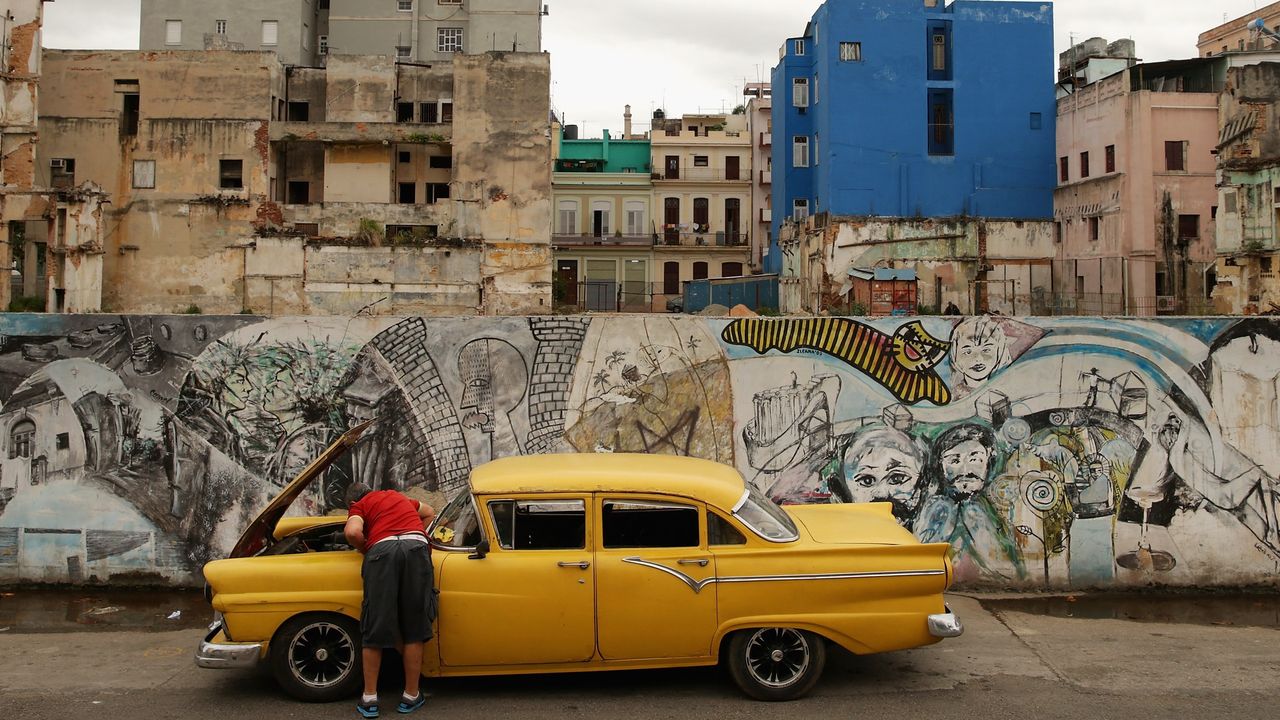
[687, 55]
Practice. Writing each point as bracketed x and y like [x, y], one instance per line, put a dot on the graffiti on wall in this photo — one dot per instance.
[1061, 452]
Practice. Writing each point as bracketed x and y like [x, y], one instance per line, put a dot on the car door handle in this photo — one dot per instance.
[701, 562]
[580, 565]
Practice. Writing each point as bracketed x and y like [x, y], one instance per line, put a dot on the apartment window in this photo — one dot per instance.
[404, 112]
[402, 52]
[62, 172]
[440, 162]
[635, 218]
[701, 214]
[800, 92]
[299, 111]
[231, 174]
[1095, 228]
[701, 161]
[408, 194]
[1188, 227]
[270, 32]
[437, 191]
[1084, 164]
[449, 40]
[851, 52]
[700, 270]
[567, 220]
[1064, 169]
[405, 157]
[144, 174]
[941, 123]
[800, 46]
[939, 34]
[1213, 213]
[220, 27]
[130, 113]
[800, 210]
[1175, 156]
[1037, 121]
[172, 32]
[298, 192]
[446, 111]
[1111, 158]
[405, 5]
[801, 151]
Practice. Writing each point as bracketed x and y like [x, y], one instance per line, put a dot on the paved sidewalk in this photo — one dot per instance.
[1008, 664]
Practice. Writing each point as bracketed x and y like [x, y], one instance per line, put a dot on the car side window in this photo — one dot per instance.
[722, 532]
[540, 525]
[458, 524]
[631, 524]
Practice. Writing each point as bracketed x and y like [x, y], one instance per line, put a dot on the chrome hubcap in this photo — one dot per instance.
[321, 655]
[777, 657]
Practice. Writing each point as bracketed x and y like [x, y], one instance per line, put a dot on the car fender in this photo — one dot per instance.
[816, 623]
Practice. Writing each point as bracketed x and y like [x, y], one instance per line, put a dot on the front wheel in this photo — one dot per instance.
[776, 664]
[316, 658]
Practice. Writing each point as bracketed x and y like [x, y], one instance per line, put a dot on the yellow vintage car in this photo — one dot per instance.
[580, 563]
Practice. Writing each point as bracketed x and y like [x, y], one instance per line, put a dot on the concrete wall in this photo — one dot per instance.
[1069, 453]
[21, 206]
[296, 26]
[378, 27]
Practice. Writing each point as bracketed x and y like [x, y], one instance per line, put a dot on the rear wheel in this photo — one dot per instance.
[316, 658]
[776, 664]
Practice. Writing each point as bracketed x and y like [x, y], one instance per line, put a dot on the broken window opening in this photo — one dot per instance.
[440, 162]
[231, 174]
[408, 194]
[130, 114]
[437, 192]
[299, 192]
[404, 112]
[299, 111]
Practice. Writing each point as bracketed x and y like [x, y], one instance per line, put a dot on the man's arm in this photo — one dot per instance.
[427, 513]
[354, 530]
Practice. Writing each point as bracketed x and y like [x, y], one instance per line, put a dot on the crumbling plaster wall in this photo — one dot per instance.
[502, 174]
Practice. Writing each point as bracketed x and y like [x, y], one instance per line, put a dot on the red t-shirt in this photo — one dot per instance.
[387, 513]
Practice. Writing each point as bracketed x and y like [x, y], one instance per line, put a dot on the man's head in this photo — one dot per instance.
[884, 465]
[964, 456]
[356, 491]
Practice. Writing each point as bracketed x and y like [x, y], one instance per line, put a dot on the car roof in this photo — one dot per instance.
[716, 484]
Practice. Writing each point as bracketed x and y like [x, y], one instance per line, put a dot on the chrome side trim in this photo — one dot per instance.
[697, 585]
[220, 656]
[741, 501]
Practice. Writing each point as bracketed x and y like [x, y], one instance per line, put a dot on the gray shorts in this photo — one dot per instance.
[399, 596]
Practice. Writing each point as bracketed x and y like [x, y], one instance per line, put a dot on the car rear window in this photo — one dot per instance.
[764, 518]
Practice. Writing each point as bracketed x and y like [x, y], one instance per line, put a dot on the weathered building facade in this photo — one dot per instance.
[1248, 235]
[1237, 35]
[50, 228]
[305, 32]
[1134, 205]
[759, 112]
[279, 189]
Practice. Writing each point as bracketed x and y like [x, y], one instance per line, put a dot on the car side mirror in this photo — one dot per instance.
[482, 549]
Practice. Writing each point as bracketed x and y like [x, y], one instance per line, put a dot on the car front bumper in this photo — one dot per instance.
[223, 654]
[945, 625]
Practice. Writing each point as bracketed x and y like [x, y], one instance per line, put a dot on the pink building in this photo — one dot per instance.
[1136, 198]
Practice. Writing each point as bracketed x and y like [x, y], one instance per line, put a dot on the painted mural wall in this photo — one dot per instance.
[1048, 452]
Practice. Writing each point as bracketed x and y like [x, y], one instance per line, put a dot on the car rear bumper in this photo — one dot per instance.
[217, 653]
[945, 625]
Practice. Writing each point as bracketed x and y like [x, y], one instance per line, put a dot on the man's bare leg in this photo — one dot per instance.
[372, 665]
[412, 654]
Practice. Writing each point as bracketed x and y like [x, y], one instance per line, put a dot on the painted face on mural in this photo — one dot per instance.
[979, 348]
[483, 400]
[884, 465]
[964, 454]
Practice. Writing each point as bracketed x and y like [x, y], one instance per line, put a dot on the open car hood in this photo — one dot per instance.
[255, 537]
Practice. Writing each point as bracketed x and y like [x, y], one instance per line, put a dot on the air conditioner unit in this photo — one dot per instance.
[1166, 304]
[58, 164]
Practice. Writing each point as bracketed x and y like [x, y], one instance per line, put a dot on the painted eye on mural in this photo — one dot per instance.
[899, 478]
[865, 481]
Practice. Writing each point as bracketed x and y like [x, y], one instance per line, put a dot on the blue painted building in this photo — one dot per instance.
[915, 109]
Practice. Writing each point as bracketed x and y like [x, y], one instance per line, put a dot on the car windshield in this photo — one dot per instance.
[458, 525]
[764, 518]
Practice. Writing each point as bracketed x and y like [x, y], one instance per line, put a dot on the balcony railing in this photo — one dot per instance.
[766, 138]
[604, 240]
[676, 238]
[766, 177]
[703, 174]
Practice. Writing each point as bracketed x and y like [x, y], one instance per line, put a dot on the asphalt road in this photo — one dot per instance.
[1008, 665]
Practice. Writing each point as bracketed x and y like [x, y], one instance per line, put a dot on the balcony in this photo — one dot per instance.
[606, 241]
[766, 177]
[353, 132]
[702, 174]
[766, 215]
[711, 239]
[766, 139]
